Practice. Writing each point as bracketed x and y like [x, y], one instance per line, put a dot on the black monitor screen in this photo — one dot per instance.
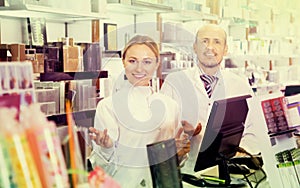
[291, 90]
[223, 131]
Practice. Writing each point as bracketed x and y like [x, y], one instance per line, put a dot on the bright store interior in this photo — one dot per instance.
[263, 38]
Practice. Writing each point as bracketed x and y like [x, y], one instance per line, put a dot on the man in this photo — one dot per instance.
[196, 89]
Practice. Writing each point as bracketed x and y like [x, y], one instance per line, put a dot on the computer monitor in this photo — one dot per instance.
[291, 90]
[223, 134]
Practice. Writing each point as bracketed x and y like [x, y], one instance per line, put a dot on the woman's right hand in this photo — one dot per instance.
[101, 137]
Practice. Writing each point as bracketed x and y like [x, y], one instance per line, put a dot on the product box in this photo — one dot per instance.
[72, 65]
[38, 63]
[48, 107]
[293, 110]
[5, 55]
[49, 96]
[275, 114]
[4, 3]
[18, 52]
[74, 52]
[73, 58]
[54, 57]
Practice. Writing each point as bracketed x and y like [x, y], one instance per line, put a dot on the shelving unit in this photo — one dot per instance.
[19, 10]
[189, 15]
[82, 118]
[137, 7]
[50, 13]
[61, 76]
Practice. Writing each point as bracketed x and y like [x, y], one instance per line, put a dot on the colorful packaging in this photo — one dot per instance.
[46, 148]
[25, 171]
[16, 147]
[98, 178]
[6, 171]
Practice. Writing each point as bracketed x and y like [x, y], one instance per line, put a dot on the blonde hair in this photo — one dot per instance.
[142, 39]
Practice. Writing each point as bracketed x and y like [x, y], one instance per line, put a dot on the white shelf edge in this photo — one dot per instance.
[189, 15]
[48, 13]
[138, 7]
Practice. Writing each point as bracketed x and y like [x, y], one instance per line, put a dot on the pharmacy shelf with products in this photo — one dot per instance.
[65, 69]
[258, 50]
[264, 50]
[271, 63]
[267, 54]
[34, 152]
[35, 149]
[52, 10]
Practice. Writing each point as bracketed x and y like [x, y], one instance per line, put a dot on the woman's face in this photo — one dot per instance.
[140, 63]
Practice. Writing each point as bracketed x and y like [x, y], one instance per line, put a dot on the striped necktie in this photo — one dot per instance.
[208, 80]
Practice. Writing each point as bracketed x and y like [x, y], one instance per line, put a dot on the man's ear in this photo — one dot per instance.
[225, 50]
[195, 47]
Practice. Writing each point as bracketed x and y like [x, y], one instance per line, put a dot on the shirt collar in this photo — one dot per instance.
[201, 72]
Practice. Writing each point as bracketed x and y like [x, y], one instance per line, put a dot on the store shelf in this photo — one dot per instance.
[82, 118]
[261, 57]
[61, 76]
[189, 15]
[137, 7]
[50, 13]
[178, 43]
[285, 132]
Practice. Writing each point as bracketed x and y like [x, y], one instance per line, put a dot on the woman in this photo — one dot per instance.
[134, 117]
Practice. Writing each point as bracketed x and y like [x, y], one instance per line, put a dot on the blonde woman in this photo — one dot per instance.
[134, 117]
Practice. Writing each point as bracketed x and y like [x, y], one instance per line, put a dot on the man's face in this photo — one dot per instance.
[210, 46]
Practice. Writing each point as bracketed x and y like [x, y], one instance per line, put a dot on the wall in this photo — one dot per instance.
[11, 30]
[54, 31]
[125, 26]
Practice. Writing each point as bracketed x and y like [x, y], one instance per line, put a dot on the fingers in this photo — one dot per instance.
[198, 129]
[100, 137]
[179, 133]
[189, 128]
[92, 129]
[104, 138]
[93, 133]
[183, 151]
[183, 146]
[183, 122]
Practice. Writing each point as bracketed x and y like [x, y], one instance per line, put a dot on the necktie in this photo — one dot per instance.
[208, 80]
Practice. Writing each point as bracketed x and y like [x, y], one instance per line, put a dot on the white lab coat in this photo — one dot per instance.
[129, 155]
[188, 90]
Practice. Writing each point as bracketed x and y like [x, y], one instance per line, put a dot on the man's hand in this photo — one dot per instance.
[183, 143]
[189, 128]
[101, 137]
